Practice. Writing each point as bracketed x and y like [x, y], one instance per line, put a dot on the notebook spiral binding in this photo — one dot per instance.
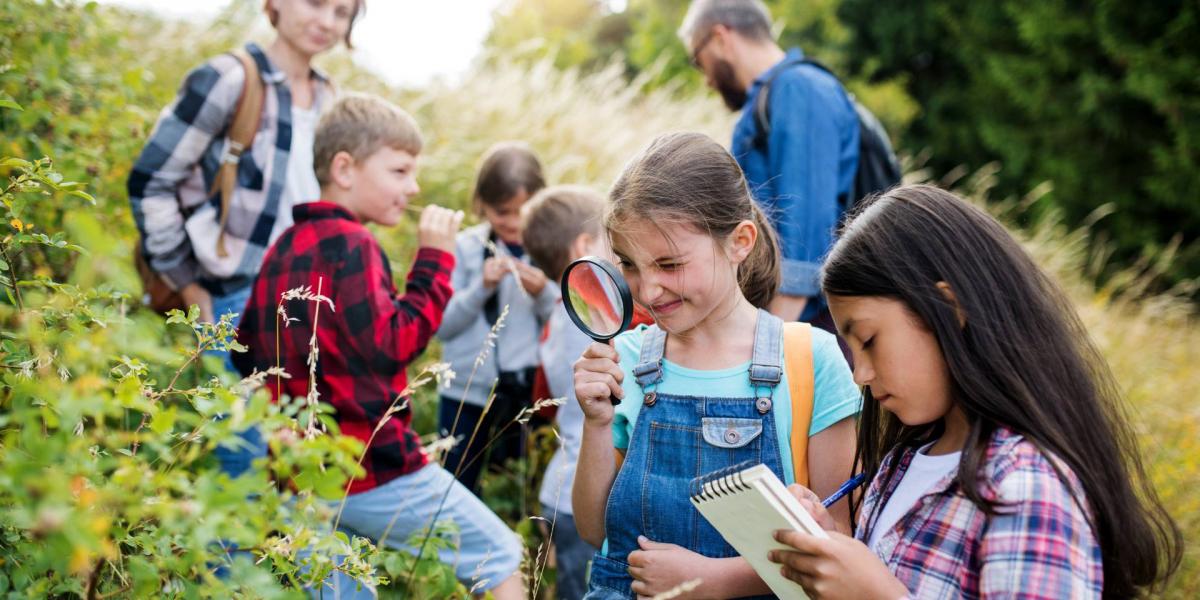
[724, 482]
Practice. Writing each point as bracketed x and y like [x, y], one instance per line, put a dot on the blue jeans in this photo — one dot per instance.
[488, 551]
[237, 459]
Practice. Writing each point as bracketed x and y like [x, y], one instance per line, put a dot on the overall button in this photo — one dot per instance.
[763, 405]
[732, 436]
[649, 399]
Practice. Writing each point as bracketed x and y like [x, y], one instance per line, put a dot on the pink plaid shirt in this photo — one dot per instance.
[1039, 545]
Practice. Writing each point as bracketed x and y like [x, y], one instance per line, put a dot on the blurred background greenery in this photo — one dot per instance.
[1077, 123]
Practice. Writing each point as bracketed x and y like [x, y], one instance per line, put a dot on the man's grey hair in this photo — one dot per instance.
[750, 18]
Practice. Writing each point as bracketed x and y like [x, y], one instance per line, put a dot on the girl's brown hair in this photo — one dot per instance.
[690, 179]
[360, 6]
[508, 169]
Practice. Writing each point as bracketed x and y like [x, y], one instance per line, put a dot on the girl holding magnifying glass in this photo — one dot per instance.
[704, 388]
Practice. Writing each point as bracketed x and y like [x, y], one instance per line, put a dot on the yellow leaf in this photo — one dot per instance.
[99, 525]
[81, 560]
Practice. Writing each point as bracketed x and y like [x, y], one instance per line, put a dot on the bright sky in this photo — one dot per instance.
[408, 42]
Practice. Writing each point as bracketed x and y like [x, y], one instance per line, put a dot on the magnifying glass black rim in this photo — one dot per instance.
[622, 289]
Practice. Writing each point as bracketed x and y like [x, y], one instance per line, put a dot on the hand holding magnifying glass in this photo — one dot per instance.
[598, 301]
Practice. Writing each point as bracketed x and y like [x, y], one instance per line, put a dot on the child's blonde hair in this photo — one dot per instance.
[360, 125]
[690, 179]
[553, 219]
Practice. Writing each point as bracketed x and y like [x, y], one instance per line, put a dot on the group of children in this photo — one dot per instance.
[499, 318]
[1001, 464]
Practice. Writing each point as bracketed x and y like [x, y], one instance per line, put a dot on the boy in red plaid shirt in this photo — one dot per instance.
[365, 160]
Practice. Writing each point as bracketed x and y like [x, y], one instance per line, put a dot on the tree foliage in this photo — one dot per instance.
[1102, 99]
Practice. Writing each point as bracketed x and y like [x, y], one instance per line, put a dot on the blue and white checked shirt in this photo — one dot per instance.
[169, 183]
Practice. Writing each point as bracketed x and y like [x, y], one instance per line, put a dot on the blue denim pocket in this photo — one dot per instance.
[730, 433]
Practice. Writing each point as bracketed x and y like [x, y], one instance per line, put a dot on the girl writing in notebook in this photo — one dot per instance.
[1003, 465]
[714, 383]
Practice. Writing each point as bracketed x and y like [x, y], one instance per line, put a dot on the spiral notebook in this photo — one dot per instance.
[746, 505]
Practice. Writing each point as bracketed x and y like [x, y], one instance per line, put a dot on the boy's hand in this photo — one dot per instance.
[495, 269]
[812, 503]
[438, 227]
[532, 278]
[598, 379]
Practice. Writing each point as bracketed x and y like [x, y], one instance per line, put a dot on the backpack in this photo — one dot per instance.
[878, 168]
[798, 363]
[243, 124]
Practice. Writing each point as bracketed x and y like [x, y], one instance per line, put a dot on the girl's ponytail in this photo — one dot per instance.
[759, 275]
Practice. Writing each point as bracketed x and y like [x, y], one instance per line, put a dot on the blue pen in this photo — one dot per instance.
[846, 488]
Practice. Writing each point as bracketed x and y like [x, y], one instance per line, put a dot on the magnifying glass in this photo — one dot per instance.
[597, 298]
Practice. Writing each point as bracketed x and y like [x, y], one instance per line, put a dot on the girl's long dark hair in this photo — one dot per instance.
[1023, 361]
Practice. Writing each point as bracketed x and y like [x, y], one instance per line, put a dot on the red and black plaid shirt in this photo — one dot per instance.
[365, 343]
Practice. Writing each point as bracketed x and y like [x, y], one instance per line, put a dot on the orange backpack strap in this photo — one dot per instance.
[240, 138]
[798, 363]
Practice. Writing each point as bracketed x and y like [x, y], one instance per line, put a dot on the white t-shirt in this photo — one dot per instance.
[301, 184]
[923, 472]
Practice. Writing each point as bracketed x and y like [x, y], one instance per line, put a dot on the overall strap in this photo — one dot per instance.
[649, 368]
[765, 370]
[798, 359]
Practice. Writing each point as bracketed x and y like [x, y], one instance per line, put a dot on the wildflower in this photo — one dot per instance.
[528, 412]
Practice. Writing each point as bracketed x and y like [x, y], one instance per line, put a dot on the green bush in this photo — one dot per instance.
[1099, 98]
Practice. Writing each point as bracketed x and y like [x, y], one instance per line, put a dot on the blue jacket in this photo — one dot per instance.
[809, 160]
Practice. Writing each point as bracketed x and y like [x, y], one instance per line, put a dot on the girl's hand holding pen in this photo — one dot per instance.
[838, 567]
[812, 503]
[835, 568]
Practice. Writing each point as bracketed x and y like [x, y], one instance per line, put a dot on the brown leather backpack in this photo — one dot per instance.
[157, 294]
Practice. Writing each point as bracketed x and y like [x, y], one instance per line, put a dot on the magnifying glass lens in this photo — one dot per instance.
[597, 298]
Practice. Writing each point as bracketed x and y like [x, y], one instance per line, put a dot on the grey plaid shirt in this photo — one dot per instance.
[168, 185]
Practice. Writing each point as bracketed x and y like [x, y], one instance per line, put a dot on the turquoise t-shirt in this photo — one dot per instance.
[835, 396]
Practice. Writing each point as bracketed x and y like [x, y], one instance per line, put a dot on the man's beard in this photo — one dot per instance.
[727, 85]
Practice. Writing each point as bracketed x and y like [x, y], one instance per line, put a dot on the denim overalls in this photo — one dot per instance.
[675, 439]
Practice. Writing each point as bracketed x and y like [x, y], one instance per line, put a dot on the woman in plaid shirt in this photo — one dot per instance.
[170, 184]
[1004, 466]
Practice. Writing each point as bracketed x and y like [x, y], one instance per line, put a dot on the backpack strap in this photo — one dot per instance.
[240, 137]
[762, 102]
[798, 361]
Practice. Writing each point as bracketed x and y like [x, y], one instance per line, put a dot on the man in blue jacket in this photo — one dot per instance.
[802, 170]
